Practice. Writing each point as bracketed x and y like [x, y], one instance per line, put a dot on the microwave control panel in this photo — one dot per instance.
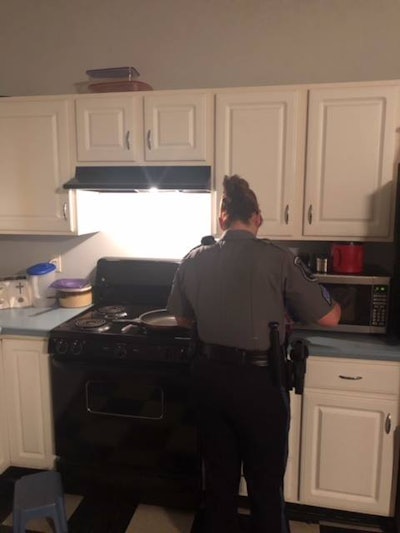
[379, 308]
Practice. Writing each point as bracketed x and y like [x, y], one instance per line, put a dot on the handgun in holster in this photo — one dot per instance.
[287, 372]
[298, 360]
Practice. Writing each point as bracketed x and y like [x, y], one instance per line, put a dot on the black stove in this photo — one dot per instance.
[111, 328]
[121, 392]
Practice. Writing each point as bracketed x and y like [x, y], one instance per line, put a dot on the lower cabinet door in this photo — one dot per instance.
[27, 391]
[348, 452]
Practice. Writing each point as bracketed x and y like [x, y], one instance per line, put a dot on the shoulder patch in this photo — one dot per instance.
[326, 295]
[305, 271]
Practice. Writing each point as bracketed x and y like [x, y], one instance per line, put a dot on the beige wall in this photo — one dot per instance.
[47, 45]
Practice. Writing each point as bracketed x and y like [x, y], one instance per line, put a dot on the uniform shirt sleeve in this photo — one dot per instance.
[306, 300]
[178, 304]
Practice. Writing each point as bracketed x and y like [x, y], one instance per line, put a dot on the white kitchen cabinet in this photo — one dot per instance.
[28, 402]
[4, 446]
[109, 128]
[260, 135]
[157, 127]
[291, 482]
[350, 164]
[322, 170]
[35, 161]
[178, 127]
[349, 449]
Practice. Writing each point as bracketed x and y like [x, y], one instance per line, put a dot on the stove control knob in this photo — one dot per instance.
[121, 351]
[77, 347]
[61, 346]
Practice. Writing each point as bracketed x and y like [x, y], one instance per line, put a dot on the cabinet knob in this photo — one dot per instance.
[388, 423]
[127, 140]
[286, 214]
[309, 214]
[148, 139]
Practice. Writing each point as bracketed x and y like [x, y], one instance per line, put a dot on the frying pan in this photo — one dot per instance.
[157, 319]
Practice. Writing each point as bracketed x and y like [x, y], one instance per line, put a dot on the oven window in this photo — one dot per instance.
[119, 399]
[355, 301]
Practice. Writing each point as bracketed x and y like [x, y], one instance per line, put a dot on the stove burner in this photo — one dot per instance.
[93, 324]
[112, 311]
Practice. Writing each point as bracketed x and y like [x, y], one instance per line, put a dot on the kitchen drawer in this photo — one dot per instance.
[353, 375]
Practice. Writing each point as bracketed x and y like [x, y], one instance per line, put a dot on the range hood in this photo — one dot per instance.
[142, 178]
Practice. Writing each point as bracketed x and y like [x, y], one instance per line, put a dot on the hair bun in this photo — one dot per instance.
[239, 201]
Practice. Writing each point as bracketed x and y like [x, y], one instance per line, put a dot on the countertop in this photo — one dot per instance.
[37, 322]
[34, 321]
[350, 345]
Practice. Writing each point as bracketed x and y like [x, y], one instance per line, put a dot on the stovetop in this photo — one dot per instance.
[124, 289]
[114, 332]
[104, 318]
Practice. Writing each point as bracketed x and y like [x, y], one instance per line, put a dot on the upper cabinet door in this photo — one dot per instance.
[350, 163]
[260, 135]
[34, 163]
[178, 127]
[109, 128]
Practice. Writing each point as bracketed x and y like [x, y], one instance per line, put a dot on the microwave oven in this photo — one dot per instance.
[364, 301]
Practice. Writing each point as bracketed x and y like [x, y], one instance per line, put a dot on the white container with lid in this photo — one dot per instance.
[73, 292]
[41, 276]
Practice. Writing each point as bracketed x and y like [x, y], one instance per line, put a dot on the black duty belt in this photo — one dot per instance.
[233, 356]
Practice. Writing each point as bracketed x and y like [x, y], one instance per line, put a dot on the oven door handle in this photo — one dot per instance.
[93, 411]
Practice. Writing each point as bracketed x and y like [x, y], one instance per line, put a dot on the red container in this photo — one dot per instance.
[347, 258]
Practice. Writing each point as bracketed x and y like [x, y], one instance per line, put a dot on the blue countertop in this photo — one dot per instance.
[34, 321]
[37, 322]
[350, 345]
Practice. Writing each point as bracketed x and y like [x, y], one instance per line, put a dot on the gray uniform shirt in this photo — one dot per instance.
[233, 289]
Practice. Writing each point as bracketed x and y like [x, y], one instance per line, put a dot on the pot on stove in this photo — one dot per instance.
[73, 292]
[347, 258]
[75, 298]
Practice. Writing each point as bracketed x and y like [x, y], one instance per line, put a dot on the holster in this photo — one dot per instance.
[298, 360]
[287, 372]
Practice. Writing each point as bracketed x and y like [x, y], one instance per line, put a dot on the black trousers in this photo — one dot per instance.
[242, 418]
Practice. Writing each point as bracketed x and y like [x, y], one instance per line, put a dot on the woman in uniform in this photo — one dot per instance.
[232, 291]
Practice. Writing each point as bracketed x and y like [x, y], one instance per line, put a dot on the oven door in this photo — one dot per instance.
[126, 424]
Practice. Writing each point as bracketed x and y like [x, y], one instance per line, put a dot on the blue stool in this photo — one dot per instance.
[39, 496]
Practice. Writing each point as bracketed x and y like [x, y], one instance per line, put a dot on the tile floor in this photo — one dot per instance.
[110, 514]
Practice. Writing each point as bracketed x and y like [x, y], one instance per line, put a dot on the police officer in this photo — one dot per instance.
[231, 291]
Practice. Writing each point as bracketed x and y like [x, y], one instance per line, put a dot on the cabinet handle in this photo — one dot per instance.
[286, 215]
[354, 378]
[309, 215]
[388, 423]
[127, 140]
[64, 210]
[148, 139]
